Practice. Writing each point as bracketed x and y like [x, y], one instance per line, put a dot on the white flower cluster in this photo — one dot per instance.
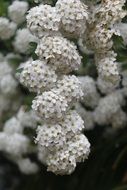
[37, 76]
[60, 53]
[108, 67]
[17, 11]
[100, 30]
[73, 16]
[43, 20]
[108, 109]
[7, 28]
[91, 96]
[16, 144]
[8, 84]
[104, 108]
[60, 133]
[22, 39]
[68, 15]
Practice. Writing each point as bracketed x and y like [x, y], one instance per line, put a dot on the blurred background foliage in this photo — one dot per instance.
[106, 168]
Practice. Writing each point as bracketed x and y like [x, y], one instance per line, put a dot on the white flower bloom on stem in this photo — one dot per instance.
[22, 40]
[50, 136]
[7, 28]
[12, 126]
[91, 96]
[8, 85]
[63, 161]
[60, 53]
[17, 144]
[108, 67]
[73, 16]
[17, 11]
[98, 38]
[105, 87]
[26, 166]
[110, 11]
[72, 124]
[50, 106]
[87, 116]
[37, 76]
[43, 20]
[70, 87]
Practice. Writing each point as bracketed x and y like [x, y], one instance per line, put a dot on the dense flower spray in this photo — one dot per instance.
[60, 135]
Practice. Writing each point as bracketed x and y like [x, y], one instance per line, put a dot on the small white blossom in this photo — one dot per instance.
[37, 76]
[60, 53]
[70, 87]
[73, 16]
[43, 20]
[12, 126]
[7, 29]
[27, 118]
[50, 106]
[16, 144]
[63, 162]
[91, 96]
[17, 11]
[5, 69]
[108, 67]
[22, 40]
[8, 85]
[105, 87]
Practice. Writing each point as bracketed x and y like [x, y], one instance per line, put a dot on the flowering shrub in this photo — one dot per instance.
[62, 74]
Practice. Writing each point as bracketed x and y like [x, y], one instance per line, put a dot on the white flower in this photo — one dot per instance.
[60, 53]
[17, 144]
[105, 87]
[37, 76]
[70, 87]
[108, 67]
[17, 11]
[74, 15]
[26, 166]
[87, 116]
[72, 124]
[50, 136]
[5, 69]
[22, 40]
[27, 118]
[91, 96]
[7, 29]
[50, 106]
[12, 126]
[8, 85]
[108, 107]
[43, 20]
[63, 161]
